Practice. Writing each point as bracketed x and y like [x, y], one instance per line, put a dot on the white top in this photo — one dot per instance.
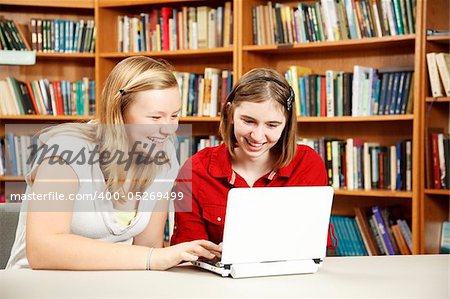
[93, 218]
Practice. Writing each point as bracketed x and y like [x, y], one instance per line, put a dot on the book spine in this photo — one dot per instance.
[382, 229]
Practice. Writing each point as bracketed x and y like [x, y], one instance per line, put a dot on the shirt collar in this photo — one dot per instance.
[220, 165]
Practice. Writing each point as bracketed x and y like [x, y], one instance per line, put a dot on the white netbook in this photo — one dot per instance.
[274, 231]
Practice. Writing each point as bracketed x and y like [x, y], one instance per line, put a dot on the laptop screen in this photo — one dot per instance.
[276, 224]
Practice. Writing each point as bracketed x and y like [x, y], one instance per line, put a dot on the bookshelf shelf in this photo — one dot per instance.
[440, 100]
[355, 45]
[443, 192]
[178, 53]
[380, 118]
[121, 3]
[12, 179]
[374, 193]
[444, 39]
[197, 119]
[46, 117]
[50, 3]
[66, 55]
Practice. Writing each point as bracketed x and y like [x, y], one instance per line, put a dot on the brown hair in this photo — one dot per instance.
[260, 85]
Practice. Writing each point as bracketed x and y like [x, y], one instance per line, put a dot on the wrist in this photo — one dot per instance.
[148, 261]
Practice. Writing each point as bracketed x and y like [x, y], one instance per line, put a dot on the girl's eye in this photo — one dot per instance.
[175, 116]
[247, 121]
[273, 126]
[155, 117]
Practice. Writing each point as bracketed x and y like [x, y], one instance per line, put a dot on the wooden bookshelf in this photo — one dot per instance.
[437, 100]
[380, 53]
[169, 54]
[434, 113]
[12, 179]
[88, 4]
[423, 207]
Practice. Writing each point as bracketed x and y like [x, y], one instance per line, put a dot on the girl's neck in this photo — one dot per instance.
[251, 169]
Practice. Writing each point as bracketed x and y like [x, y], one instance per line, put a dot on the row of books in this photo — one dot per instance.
[168, 28]
[332, 20]
[366, 91]
[17, 151]
[187, 146]
[11, 37]
[439, 73]
[204, 94]
[45, 97]
[438, 158]
[373, 231]
[62, 36]
[355, 165]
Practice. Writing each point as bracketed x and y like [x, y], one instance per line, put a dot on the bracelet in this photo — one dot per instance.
[149, 258]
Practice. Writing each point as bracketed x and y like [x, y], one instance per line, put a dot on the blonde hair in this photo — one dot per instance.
[128, 77]
[256, 86]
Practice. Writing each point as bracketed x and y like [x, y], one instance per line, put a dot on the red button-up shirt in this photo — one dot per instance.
[207, 177]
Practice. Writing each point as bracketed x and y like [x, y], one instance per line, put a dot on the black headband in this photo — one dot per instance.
[289, 100]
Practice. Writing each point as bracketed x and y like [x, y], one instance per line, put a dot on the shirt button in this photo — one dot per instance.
[174, 227]
[219, 219]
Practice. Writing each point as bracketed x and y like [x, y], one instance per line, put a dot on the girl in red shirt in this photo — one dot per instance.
[258, 126]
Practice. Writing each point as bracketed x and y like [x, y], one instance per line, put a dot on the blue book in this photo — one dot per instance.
[191, 95]
[302, 89]
[347, 222]
[401, 88]
[383, 93]
[394, 93]
[358, 237]
[390, 83]
[405, 95]
[445, 237]
[12, 151]
[383, 230]
[346, 236]
[342, 248]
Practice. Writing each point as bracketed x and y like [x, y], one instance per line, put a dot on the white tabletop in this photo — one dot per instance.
[425, 276]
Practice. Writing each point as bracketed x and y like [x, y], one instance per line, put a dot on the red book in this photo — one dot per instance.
[33, 99]
[166, 14]
[59, 99]
[381, 168]
[323, 96]
[435, 157]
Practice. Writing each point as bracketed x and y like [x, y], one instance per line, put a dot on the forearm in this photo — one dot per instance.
[73, 252]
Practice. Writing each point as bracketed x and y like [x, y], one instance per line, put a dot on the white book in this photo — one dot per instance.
[212, 29]
[393, 163]
[14, 102]
[349, 163]
[367, 167]
[360, 75]
[443, 65]
[435, 82]
[329, 79]
[335, 156]
[216, 74]
[126, 34]
[119, 33]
